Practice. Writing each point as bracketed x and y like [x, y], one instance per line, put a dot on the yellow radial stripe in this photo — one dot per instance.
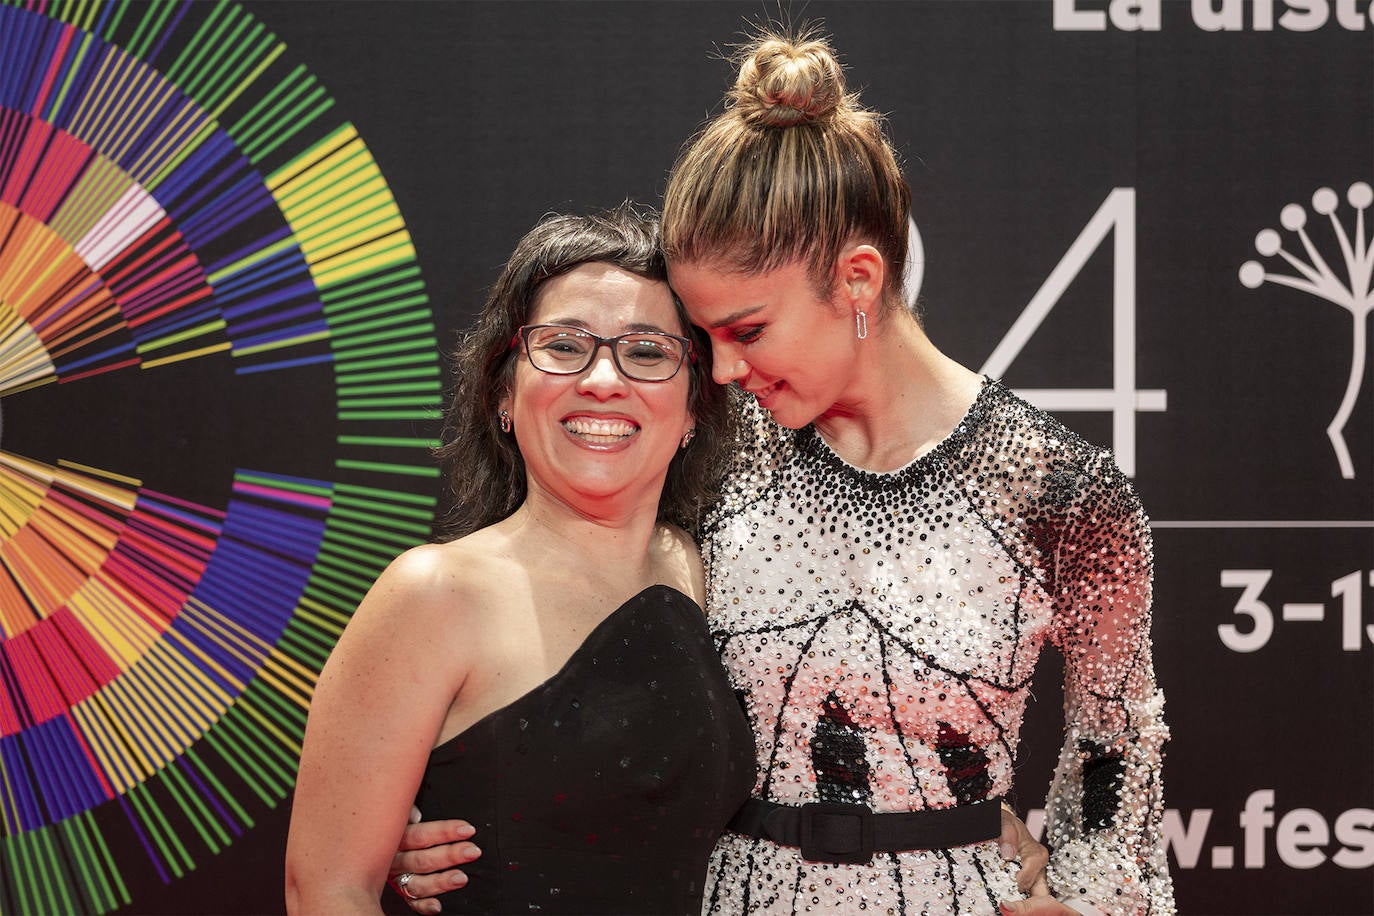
[93, 729]
[238, 642]
[150, 742]
[125, 106]
[347, 233]
[124, 747]
[287, 681]
[289, 742]
[309, 170]
[182, 677]
[120, 630]
[93, 101]
[46, 576]
[204, 130]
[19, 498]
[294, 670]
[139, 108]
[364, 260]
[336, 619]
[332, 185]
[111, 103]
[101, 731]
[118, 497]
[282, 344]
[84, 537]
[172, 140]
[191, 650]
[200, 330]
[189, 354]
[97, 472]
[337, 204]
[174, 694]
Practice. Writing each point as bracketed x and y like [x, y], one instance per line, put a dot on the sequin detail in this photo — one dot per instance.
[883, 629]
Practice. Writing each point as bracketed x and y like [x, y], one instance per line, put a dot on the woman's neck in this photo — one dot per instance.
[905, 398]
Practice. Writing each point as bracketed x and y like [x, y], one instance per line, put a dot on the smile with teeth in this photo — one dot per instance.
[600, 431]
[763, 394]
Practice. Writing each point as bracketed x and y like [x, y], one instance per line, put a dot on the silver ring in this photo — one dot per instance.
[401, 882]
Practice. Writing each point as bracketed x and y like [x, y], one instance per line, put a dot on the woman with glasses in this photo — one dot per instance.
[896, 540]
[547, 672]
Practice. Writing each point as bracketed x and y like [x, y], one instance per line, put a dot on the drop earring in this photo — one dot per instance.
[688, 436]
[860, 324]
[505, 421]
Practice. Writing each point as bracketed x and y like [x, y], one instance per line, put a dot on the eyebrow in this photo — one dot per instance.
[629, 328]
[738, 316]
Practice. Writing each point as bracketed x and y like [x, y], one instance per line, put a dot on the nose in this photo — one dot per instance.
[602, 379]
[726, 363]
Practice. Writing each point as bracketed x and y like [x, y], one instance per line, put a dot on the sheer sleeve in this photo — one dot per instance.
[1105, 808]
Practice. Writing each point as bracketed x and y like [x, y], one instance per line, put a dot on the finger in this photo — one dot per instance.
[427, 887]
[435, 833]
[434, 860]
[1030, 878]
[1007, 842]
[426, 907]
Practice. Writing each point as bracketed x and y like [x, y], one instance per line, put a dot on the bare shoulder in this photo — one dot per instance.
[678, 560]
[431, 584]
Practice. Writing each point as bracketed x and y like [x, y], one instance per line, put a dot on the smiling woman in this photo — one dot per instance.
[561, 628]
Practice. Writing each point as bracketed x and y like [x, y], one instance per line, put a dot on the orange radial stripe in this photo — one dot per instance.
[16, 613]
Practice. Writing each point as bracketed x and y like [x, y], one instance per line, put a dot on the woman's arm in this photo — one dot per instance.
[373, 720]
[1105, 809]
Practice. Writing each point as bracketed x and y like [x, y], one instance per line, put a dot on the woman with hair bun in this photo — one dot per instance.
[896, 539]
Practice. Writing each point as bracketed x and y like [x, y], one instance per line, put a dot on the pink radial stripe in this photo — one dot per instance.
[55, 63]
[285, 496]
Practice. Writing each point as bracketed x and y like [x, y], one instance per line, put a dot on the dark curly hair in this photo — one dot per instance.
[483, 467]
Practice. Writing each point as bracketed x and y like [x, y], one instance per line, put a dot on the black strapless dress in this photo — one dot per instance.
[603, 789]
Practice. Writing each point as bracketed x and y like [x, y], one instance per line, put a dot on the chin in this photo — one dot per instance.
[789, 415]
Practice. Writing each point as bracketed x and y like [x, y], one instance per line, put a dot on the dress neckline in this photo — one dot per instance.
[594, 637]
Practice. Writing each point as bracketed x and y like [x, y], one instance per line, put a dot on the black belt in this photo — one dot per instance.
[850, 834]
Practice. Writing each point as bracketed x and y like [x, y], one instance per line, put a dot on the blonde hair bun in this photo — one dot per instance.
[783, 82]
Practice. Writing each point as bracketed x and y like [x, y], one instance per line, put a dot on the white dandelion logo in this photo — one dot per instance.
[1317, 277]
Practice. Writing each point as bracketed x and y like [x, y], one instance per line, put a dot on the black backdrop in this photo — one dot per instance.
[1161, 144]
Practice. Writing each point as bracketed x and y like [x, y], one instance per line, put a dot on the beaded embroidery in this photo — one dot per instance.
[882, 629]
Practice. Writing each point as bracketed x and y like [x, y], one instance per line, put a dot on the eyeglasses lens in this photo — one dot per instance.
[643, 356]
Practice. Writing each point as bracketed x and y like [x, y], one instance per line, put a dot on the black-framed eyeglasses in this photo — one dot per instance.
[644, 356]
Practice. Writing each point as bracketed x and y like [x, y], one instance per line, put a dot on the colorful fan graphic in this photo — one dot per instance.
[219, 383]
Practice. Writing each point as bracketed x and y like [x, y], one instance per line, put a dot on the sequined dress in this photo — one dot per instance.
[603, 789]
[882, 629]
